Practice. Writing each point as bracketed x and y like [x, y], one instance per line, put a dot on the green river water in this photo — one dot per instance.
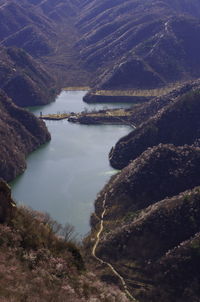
[64, 176]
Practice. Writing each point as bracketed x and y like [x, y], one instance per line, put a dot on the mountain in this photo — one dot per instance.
[139, 44]
[25, 80]
[176, 123]
[113, 45]
[45, 31]
[20, 133]
[39, 258]
[22, 27]
[145, 226]
[151, 224]
[34, 63]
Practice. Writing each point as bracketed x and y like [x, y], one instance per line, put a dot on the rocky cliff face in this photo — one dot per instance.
[21, 133]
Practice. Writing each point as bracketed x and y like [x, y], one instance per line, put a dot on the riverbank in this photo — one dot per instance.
[101, 117]
[69, 171]
[135, 96]
[76, 88]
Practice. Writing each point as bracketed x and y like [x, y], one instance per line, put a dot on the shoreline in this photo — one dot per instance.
[76, 88]
[102, 117]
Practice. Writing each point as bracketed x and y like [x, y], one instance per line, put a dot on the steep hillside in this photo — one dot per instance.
[22, 27]
[140, 44]
[146, 224]
[37, 265]
[142, 112]
[161, 171]
[151, 252]
[25, 80]
[45, 30]
[177, 123]
[113, 45]
[20, 133]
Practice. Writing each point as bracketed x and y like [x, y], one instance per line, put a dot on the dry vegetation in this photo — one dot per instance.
[138, 92]
[37, 265]
[76, 88]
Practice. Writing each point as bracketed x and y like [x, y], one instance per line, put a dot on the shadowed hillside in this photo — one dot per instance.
[151, 234]
[140, 44]
[177, 123]
[20, 133]
[39, 265]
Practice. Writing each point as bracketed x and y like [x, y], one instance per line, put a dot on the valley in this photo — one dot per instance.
[99, 126]
[64, 176]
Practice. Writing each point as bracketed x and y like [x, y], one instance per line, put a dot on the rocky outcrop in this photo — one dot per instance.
[20, 133]
[169, 125]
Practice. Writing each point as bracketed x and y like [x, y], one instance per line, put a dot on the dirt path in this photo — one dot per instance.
[104, 262]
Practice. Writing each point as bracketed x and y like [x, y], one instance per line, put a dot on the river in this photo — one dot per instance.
[64, 176]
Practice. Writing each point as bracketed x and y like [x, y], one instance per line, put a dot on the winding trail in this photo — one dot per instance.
[104, 262]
